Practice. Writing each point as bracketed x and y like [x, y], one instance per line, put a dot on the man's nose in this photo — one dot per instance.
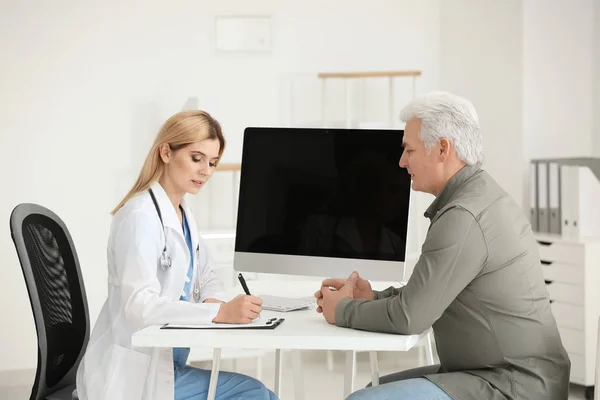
[402, 162]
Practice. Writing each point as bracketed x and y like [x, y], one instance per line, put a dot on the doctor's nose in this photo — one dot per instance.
[205, 170]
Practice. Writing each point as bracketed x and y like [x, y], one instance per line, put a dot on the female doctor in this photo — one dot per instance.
[159, 272]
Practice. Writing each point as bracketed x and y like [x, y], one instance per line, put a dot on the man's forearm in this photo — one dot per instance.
[389, 292]
[388, 315]
[371, 315]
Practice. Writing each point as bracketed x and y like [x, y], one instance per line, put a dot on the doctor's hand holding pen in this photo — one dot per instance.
[244, 309]
[241, 310]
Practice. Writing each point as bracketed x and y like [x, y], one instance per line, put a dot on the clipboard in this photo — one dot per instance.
[270, 323]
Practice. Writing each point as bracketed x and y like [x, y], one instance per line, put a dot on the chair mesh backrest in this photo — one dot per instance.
[62, 308]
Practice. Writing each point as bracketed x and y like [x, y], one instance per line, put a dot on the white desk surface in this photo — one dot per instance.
[301, 330]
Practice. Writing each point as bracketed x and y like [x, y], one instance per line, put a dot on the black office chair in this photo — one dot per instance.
[55, 286]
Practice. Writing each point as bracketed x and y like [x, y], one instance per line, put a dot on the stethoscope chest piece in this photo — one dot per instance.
[165, 260]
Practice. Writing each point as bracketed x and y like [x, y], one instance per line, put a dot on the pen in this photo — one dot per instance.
[243, 282]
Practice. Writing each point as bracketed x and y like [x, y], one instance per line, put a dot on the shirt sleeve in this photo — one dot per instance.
[389, 292]
[453, 254]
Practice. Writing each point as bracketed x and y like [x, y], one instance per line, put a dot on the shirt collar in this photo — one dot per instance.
[451, 186]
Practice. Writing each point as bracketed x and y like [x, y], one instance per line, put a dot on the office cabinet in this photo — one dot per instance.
[571, 270]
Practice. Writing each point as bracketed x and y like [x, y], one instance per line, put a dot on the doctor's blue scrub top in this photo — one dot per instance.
[180, 355]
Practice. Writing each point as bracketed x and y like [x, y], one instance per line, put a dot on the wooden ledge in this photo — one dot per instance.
[229, 167]
[375, 74]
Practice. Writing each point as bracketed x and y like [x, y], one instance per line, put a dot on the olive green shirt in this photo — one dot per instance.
[479, 283]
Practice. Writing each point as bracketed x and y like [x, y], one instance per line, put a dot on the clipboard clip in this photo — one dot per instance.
[274, 322]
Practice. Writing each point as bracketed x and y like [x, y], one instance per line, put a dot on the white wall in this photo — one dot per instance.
[481, 59]
[596, 77]
[558, 77]
[558, 80]
[84, 88]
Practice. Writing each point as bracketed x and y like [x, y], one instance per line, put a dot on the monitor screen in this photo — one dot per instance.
[322, 202]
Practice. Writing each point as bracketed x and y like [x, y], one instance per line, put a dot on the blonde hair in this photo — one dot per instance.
[182, 129]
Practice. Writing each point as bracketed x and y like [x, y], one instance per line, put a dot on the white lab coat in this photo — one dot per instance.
[141, 293]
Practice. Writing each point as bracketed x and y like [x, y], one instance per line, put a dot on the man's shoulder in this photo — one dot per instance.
[478, 195]
[451, 221]
[494, 210]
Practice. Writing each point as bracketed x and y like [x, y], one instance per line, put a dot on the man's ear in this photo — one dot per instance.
[444, 148]
[165, 152]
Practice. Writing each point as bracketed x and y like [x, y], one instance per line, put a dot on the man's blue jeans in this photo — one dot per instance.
[404, 386]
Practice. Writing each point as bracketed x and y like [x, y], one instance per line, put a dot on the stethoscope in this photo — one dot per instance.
[164, 260]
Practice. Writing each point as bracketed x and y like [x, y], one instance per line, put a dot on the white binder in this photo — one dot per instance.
[587, 199]
[554, 184]
[533, 202]
[567, 176]
[542, 187]
[580, 204]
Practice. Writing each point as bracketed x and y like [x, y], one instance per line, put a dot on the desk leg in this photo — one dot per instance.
[350, 372]
[330, 360]
[259, 367]
[374, 368]
[278, 373]
[428, 349]
[298, 378]
[214, 374]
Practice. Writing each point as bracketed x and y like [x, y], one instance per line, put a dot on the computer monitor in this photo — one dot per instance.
[322, 202]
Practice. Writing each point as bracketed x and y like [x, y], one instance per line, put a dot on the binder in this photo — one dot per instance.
[586, 210]
[258, 323]
[542, 189]
[579, 199]
[572, 198]
[575, 199]
[533, 201]
[554, 185]
[566, 200]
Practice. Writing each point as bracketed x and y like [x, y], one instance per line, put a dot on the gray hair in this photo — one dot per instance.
[444, 115]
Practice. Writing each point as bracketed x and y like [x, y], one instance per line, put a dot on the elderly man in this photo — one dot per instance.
[478, 281]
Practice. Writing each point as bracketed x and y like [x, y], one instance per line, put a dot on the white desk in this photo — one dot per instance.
[302, 330]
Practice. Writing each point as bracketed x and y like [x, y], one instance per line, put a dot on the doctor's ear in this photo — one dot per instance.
[165, 152]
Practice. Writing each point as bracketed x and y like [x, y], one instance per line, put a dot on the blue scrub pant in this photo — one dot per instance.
[192, 384]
